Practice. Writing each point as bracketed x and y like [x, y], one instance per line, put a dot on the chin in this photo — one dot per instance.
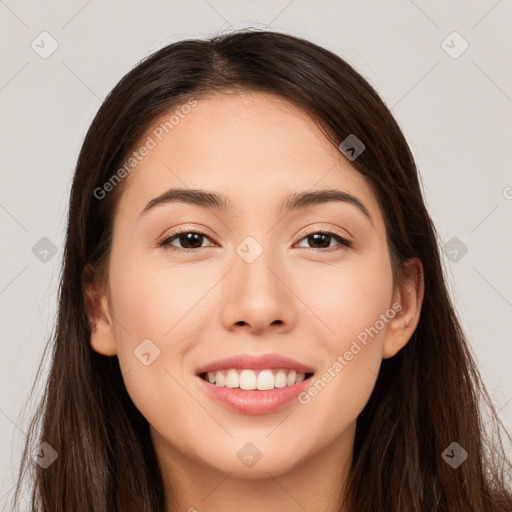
[259, 466]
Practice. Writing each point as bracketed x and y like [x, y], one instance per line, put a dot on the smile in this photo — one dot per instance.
[255, 379]
[254, 384]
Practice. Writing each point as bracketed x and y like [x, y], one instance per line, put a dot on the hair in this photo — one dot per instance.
[429, 395]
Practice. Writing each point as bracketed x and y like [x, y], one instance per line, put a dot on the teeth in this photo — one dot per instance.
[265, 379]
[219, 379]
[251, 380]
[247, 379]
[232, 379]
[280, 379]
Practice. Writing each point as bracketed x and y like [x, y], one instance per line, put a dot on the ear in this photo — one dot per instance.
[100, 319]
[409, 295]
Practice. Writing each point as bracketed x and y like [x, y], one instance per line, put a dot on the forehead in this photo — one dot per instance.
[251, 146]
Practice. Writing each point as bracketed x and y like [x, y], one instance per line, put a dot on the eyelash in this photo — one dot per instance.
[165, 243]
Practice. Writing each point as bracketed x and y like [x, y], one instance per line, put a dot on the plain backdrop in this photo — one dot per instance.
[440, 66]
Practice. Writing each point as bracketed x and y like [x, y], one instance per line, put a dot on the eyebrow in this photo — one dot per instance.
[216, 201]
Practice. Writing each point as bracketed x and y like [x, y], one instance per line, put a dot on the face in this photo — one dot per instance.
[312, 284]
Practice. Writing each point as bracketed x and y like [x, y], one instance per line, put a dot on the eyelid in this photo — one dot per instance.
[187, 229]
[344, 241]
[330, 229]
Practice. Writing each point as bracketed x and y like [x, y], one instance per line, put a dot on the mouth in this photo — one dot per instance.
[253, 385]
[255, 380]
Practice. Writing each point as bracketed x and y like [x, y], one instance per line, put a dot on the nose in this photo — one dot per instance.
[258, 297]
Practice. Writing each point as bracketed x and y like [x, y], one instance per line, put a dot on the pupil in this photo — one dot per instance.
[316, 236]
[189, 238]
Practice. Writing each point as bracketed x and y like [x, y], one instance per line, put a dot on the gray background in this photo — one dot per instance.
[454, 108]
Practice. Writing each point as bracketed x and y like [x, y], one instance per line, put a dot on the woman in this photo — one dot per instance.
[252, 310]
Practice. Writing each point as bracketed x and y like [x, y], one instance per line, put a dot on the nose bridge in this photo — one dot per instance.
[256, 263]
[255, 292]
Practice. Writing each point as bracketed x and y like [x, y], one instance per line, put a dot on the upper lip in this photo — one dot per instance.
[256, 362]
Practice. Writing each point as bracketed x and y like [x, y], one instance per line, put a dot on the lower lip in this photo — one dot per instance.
[255, 401]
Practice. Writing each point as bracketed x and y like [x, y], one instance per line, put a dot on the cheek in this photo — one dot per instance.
[347, 298]
[153, 307]
[156, 301]
[353, 307]
[367, 295]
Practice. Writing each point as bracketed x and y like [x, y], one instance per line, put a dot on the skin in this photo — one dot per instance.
[198, 307]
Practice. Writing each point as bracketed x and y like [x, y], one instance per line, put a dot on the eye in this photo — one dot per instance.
[189, 238]
[192, 240]
[324, 238]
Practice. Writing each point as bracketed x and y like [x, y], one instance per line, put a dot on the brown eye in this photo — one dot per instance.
[190, 240]
[324, 240]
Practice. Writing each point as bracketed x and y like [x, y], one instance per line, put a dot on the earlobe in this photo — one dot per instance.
[409, 295]
[102, 334]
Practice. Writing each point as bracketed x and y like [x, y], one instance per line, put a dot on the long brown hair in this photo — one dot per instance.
[427, 397]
